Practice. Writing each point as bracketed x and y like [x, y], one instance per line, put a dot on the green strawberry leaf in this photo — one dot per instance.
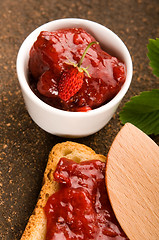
[143, 112]
[153, 55]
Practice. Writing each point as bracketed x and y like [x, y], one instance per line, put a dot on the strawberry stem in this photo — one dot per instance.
[83, 55]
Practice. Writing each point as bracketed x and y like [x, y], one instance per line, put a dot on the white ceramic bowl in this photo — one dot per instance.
[72, 124]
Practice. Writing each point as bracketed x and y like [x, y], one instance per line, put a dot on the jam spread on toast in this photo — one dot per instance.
[80, 209]
[52, 62]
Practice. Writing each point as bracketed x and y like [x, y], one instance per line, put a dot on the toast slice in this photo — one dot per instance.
[36, 227]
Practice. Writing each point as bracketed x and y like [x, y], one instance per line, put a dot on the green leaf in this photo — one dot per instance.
[153, 55]
[143, 112]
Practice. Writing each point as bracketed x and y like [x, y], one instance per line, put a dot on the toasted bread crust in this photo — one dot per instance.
[36, 227]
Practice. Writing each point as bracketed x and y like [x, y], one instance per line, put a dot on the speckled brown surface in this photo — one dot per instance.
[24, 146]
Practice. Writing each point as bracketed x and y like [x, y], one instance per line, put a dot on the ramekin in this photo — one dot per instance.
[64, 123]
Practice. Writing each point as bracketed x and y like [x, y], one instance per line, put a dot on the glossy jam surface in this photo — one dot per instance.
[49, 58]
[81, 209]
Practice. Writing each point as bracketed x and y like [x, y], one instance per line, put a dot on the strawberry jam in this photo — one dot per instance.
[80, 209]
[52, 55]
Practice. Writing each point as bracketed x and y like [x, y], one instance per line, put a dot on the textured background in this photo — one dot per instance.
[25, 147]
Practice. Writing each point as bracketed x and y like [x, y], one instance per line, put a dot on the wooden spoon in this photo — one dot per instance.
[132, 180]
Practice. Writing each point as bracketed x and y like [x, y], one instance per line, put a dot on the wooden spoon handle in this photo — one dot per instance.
[132, 180]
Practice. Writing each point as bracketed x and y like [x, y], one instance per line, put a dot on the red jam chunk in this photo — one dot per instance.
[81, 210]
[51, 55]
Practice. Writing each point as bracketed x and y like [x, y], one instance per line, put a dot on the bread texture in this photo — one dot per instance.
[36, 227]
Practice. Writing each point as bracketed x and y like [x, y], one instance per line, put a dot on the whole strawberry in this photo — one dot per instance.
[71, 80]
[70, 83]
